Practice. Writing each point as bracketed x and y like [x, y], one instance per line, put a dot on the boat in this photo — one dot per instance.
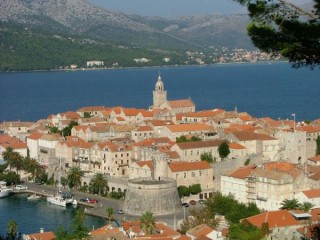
[34, 197]
[58, 199]
[4, 190]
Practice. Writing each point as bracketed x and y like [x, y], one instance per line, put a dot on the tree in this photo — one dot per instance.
[74, 177]
[318, 146]
[147, 223]
[32, 166]
[224, 150]
[290, 204]
[12, 229]
[206, 157]
[306, 206]
[245, 231]
[195, 189]
[183, 191]
[14, 159]
[61, 233]
[11, 178]
[86, 115]
[80, 231]
[98, 184]
[280, 27]
[67, 130]
[110, 213]
[199, 216]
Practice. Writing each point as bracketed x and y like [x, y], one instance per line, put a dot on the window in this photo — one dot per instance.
[185, 175]
[192, 174]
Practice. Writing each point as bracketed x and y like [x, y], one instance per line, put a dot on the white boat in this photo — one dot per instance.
[34, 197]
[57, 200]
[4, 191]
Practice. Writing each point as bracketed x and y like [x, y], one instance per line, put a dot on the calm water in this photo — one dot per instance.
[33, 215]
[274, 90]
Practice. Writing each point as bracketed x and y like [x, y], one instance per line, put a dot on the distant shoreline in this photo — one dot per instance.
[142, 67]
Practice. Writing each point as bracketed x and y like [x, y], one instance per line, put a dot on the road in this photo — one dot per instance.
[99, 209]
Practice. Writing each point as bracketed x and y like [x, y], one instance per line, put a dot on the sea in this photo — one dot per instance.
[31, 216]
[275, 90]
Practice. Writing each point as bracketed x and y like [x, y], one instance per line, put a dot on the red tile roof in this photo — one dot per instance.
[236, 146]
[275, 219]
[201, 144]
[181, 103]
[200, 230]
[249, 136]
[190, 127]
[312, 193]
[243, 173]
[42, 236]
[182, 166]
[35, 136]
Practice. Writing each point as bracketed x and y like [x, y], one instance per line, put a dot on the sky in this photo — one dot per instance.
[172, 8]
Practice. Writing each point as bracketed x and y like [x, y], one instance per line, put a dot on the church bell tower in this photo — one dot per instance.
[159, 94]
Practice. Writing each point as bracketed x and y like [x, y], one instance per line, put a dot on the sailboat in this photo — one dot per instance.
[58, 199]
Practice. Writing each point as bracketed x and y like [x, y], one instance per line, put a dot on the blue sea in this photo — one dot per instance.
[275, 90]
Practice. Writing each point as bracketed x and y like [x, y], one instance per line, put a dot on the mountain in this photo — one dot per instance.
[80, 16]
[53, 34]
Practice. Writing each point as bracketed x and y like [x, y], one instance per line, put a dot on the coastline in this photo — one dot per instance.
[142, 67]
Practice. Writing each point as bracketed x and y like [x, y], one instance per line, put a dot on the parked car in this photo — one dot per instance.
[120, 211]
[89, 200]
[21, 187]
[193, 202]
[185, 204]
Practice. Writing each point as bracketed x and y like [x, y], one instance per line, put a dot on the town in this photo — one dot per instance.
[151, 156]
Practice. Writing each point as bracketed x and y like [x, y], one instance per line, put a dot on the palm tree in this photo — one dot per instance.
[12, 229]
[74, 177]
[14, 159]
[32, 166]
[147, 223]
[110, 213]
[290, 204]
[306, 206]
[98, 183]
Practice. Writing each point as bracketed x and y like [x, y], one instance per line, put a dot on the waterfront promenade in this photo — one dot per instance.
[99, 209]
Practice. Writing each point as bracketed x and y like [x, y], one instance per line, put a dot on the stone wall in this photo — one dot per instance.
[158, 197]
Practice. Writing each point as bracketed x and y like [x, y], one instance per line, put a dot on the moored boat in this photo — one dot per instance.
[34, 197]
[4, 190]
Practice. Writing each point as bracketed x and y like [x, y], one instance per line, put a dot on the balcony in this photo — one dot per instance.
[262, 198]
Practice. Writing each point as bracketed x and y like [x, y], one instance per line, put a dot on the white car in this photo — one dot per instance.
[21, 187]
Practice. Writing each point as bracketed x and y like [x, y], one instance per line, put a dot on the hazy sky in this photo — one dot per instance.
[175, 7]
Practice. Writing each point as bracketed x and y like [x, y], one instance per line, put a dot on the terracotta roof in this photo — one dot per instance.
[309, 129]
[190, 127]
[201, 144]
[144, 129]
[312, 193]
[7, 141]
[184, 237]
[149, 164]
[204, 114]
[91, 109]
[158, 123]
[83, 128]
[315, 158]
[182, 166]
[243, 173]
[51, 137]
[42, 236]
[236, 146]
[249, 136]
[35, 136]
[275, 219]
[200, 230]
[181, 103]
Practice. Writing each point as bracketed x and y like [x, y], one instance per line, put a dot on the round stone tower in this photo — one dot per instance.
[157, 194]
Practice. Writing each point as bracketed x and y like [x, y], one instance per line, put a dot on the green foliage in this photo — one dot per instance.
[98, 184]
[74, 177]
[280, 27]
[206, 157]
[110, 213]
[195, 189]
[290, 204]
[247, 162]
[80, 231]
[11, 178]
[13, 158]
[199, 216]
[67, 130]
[117, 195]
[224, 150]
[54, 130]
[12, 230]
[61, 233]
[245, 231]
[183, 191]
[25, 48]
[231, 208]
[318, 146]
[183, 139]
[147, 223]
[86, 115]
[306, 206]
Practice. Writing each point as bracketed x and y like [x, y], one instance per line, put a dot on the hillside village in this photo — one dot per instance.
[269, 161]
